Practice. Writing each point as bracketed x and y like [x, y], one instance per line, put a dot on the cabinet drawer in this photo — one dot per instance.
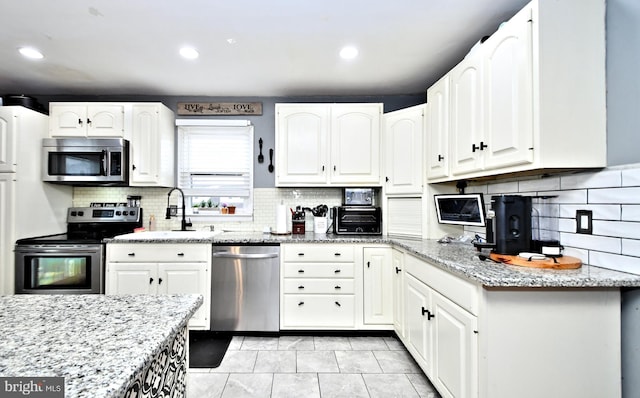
[318, 270]
[318, 286]
[158, 253]
[458, 290]
[318, 311]
[318, 253]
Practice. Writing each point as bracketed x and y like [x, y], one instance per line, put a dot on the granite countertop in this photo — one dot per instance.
[459, 258]
[96, 342]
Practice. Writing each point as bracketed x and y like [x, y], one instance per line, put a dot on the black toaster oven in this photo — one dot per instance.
[357, 220]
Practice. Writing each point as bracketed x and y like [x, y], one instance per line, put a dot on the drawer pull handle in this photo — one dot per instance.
[131, 254]
[180, 254]
[337, 288]
[300, 254]
[398, 270]
[150, 280]
[337, 271]
[368, 264]
[337, 254]
[300, 287]
[301, 271]
[300, 303]
[338, 304]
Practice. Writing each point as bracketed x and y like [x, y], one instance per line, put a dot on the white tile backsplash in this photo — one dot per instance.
[613, 195]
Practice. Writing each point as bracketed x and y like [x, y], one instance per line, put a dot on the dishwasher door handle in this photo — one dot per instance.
[245, 255]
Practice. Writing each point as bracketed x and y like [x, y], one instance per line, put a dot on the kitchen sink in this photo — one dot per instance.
[151, 235]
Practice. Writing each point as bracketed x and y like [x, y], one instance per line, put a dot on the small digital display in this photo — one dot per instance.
[461, 209]
[102, 213]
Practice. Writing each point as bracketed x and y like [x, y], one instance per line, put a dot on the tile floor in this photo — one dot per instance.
[312, 366]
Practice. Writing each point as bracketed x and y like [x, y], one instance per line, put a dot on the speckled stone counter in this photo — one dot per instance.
[458, 258]
[104, 346]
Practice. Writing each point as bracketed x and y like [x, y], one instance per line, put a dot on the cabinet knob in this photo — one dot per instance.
[368, 264]
[301, 271]
[440, 158]
[429, 314]
[131, 254]
[300, 287]
[337, 254]
[398, 270]
[337, 288]
[180, 254]
[300, 254]
[480, 148]
[386, 179]
[338, 304]
[88, 121]
[150, 280]
[159, 281]
[133, 167]
[337, 271]
[300, 303]
[334, 167]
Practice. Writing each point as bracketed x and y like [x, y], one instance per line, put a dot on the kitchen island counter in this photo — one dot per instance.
[103, 346]
[458, 258]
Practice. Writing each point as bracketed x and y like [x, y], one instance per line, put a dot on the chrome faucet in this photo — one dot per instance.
[184, 224]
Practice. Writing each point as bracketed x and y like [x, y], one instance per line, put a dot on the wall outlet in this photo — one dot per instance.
[584, 222]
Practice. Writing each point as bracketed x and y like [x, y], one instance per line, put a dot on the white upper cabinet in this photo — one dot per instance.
[467, 139]
[403, 136]
[152, 146]
[530, 93]
[327, 144]
[81, 119]
[437, 129]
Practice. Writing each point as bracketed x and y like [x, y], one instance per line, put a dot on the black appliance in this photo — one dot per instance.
[72, 262]
[511, 224]
[84, 161]
[357, 220]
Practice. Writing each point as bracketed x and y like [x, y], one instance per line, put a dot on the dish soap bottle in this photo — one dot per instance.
[152, 223]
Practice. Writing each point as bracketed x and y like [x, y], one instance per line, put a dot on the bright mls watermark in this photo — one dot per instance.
[38, 387]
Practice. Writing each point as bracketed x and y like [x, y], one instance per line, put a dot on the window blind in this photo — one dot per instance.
[215, 161]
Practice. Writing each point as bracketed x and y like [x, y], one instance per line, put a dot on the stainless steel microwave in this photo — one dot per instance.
[86, 161]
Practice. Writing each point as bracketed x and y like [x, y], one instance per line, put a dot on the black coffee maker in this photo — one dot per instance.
[509, 231]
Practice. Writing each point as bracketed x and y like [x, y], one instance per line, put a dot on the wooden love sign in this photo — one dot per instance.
[219, 108]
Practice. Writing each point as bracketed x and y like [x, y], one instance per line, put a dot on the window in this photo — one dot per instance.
[215, 168]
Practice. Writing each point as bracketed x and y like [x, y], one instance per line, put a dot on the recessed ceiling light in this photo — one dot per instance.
[30, 52]
[231, 40]
[349, 52]
[189, 53]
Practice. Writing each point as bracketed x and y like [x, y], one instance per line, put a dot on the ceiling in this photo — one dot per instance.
[247, 48]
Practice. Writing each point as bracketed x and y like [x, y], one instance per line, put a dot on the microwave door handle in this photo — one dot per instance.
[103, 163]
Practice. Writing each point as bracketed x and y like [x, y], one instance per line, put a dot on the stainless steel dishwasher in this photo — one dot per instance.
[245, 288]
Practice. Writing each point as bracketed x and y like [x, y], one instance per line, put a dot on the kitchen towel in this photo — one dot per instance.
[281, 219]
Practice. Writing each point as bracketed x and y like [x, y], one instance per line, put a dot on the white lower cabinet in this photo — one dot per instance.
[377, 287]
[397, 263]
[318, 286]
[162, 269]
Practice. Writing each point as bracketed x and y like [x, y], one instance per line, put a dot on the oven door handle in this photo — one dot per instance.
[58, 250]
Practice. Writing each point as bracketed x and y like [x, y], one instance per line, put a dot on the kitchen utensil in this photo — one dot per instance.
[484, 257]
[270, 160]
[260, 155]
[564, 262]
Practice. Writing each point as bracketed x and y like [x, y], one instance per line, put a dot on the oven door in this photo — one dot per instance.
[59, 269]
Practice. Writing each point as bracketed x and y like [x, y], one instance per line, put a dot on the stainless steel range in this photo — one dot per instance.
[73, 262]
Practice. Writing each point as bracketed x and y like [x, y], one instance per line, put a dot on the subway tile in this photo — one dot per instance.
[592, 242]
[570, 196]
[600, 212]
[617, 228]
[567, 225]
[503, 188]
[600, 179]
[476, 188]
[542, 184]
[631, 247]
[631, 177]
[630, 212]
[615, 262]
[547, 209]
[615, 195]
[582, 254]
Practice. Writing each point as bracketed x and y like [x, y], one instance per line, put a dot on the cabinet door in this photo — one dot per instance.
[466, 116]
[378, 286]
[403, 132]
[437, 129]
[355, 143]
[187, 278]
[508, 94]
[145, 149]
[418, 332]
[7, 237]
[455, 349]
[132, 278]
[68, 120]
[105, 120]
[8, 133]
[301, 144]
[397, 261]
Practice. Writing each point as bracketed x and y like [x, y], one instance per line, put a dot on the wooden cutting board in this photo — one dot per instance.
[564, 262]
